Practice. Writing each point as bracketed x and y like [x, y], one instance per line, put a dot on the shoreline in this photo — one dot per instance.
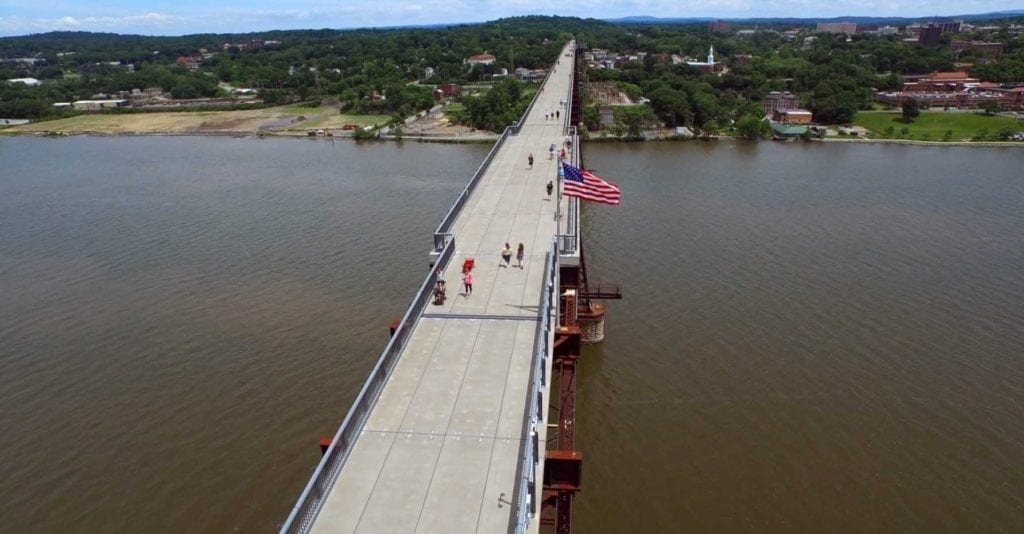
[921, 143]
[453, 139]
[484, 138]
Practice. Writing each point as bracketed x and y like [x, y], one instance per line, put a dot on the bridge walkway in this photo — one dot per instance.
[439, 451]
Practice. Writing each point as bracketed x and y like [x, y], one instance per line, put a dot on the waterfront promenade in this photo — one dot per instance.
[440, 449]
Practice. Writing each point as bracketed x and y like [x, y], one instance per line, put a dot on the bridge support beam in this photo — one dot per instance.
[563, 465]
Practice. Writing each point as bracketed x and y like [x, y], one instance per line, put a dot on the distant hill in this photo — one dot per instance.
[995, 15]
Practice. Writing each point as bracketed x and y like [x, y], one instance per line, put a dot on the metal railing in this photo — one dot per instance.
[569, 240]
[311, 501]
[526, 498]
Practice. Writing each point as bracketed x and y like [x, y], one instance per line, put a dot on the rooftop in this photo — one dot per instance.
[959, 75]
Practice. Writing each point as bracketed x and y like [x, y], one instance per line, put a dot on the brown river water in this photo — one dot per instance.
[813, 337]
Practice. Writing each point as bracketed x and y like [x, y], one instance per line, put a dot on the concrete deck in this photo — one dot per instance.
[439, 451]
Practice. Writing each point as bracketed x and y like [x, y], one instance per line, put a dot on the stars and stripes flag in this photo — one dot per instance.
[585, 185]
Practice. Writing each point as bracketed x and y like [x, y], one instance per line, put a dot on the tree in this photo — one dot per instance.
[751, 127]
[910, 110]
[991, 107]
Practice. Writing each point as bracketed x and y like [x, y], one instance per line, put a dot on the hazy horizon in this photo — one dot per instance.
[185, 17]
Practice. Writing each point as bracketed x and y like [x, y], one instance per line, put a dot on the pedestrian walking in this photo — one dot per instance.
[558, 114]
[550, 187]
[545, 115]
[551, 151]
[519, 256]
[506, 255]
[467, 283]
[530, 160]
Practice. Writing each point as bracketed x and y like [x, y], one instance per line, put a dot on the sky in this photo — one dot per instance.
[180, 17]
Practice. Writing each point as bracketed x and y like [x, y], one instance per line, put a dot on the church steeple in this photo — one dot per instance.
[711, 55]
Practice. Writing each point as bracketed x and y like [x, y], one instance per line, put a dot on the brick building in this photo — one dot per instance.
[929, 36]
[792, 116]
[775, 101]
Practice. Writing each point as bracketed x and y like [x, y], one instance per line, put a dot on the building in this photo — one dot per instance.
[31, 61]
[941, 82]
[887, 30]
[792, 116]
[929, 36]
[191, 63]
[446, 90]
[526, 74]
[98, 105]
[776, 101]
[480, 59]
[788, 131]
[1008, 98]
[948, 26]
[849, 28]
[706, 66]
[428, 73]
[994, 49]
[719, 26]
[450, 90]
[954, 90]
[146, 96]
[251, 45]
[31, 82]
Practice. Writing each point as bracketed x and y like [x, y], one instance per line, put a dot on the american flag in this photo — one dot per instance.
[587, 186]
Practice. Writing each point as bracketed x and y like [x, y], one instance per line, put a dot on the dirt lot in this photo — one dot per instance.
[283, 120]
[438, 125]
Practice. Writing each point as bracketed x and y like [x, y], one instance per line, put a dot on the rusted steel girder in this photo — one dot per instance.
[563, 465]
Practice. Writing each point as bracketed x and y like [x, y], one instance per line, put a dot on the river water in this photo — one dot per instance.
[813, 337]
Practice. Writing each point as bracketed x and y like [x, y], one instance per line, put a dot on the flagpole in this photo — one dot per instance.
[558, 196]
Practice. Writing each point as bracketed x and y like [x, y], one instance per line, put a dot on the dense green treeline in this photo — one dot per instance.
[367, 71]
[834, 76]
[394, 71]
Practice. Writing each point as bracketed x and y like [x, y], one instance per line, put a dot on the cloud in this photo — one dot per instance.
[196, 16]
[155, 22]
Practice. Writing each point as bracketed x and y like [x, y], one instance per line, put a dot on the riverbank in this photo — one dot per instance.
[285, 122]
[869, 140]
[470, 138]
[279, 120]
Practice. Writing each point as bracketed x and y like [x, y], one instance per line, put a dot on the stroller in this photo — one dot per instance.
[440, 292]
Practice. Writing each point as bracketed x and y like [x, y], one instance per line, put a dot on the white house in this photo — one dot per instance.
[31, 82]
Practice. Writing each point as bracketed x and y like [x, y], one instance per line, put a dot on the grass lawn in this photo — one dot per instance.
[302, 109]
[932, 126]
